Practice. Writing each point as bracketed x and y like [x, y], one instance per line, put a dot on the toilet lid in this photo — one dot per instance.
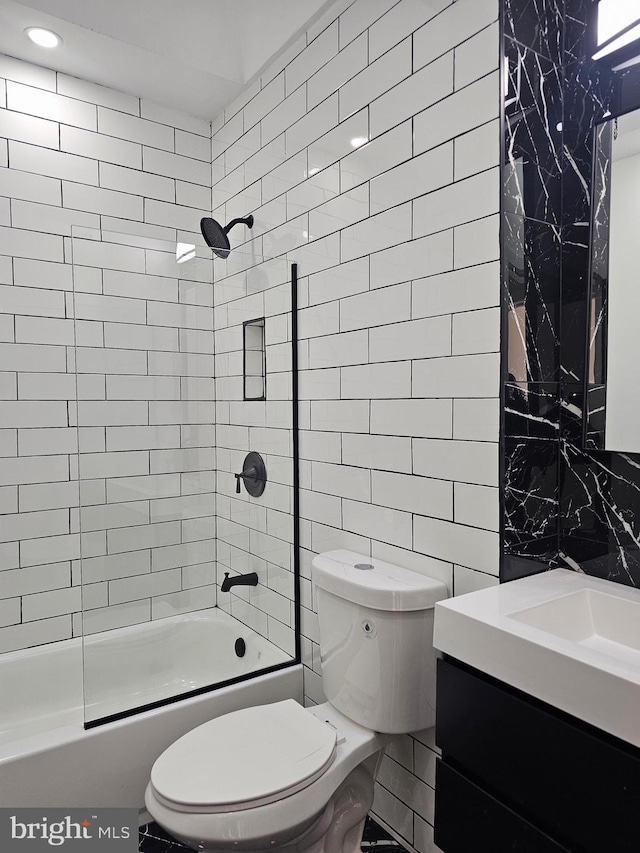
[255, 754]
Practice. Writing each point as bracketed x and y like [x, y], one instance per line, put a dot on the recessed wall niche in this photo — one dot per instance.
[254, 360]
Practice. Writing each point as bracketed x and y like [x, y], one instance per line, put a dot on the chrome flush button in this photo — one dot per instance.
[363, 566]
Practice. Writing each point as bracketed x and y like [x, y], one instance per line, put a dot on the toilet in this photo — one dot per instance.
[284, 777]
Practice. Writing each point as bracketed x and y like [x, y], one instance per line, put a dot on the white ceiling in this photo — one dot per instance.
[193, 55]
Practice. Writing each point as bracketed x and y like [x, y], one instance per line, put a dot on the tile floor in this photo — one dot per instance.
[153, 839]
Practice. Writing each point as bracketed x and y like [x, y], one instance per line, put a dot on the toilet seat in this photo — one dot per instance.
[243, 828]
[245, 759]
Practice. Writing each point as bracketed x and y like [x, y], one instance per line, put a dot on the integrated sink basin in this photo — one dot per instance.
[568, 639]
[595, 620]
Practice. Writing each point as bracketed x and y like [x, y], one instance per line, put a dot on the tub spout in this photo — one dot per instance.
[239, 580]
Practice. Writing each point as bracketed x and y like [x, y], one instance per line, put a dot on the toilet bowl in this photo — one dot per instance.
[287, 778]
[266, 777]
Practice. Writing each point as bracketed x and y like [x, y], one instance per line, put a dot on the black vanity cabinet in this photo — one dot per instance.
[520, 776]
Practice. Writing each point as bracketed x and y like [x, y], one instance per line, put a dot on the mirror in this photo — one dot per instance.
[613, 358]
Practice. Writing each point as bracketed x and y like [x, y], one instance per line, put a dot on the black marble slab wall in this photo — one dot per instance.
[563, 504]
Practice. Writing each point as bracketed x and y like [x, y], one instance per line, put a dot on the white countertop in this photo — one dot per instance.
[578, 649]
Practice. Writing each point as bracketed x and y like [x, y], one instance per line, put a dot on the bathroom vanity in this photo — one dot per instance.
[537, 718]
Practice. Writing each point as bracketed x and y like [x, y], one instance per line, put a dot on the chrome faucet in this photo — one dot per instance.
[239, 580]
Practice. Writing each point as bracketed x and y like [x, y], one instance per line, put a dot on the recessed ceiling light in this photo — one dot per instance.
[358, 141]
[42, 37]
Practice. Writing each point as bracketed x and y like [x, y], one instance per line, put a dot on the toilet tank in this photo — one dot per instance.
[376, 640]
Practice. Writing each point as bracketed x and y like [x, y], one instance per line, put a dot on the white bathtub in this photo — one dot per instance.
[47, 758]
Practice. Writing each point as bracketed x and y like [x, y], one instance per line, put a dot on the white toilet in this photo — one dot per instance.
[282, 777]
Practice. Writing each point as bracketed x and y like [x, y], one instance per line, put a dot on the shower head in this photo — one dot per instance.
[215, 235]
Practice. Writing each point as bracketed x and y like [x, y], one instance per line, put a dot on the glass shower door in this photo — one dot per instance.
[155, 483]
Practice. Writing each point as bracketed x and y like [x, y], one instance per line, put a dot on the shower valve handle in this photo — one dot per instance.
[248, 474]
[253, 475]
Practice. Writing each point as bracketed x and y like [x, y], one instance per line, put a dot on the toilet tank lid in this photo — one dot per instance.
[383, 587]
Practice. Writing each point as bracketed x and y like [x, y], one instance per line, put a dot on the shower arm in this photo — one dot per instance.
[246, 220]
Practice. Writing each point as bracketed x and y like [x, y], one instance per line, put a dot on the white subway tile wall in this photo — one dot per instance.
[138, 502]
[147, 477]
[371, 156]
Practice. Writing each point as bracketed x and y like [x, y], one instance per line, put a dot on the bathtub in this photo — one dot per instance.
[48, 759]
